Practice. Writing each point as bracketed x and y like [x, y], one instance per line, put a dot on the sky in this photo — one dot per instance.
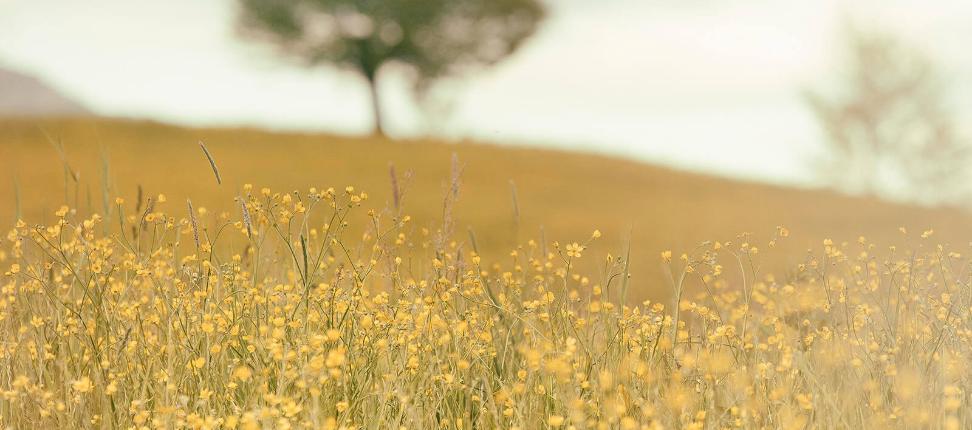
[704, 85]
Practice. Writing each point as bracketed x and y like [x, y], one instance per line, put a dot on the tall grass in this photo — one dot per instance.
[563, 193]
[315, 310]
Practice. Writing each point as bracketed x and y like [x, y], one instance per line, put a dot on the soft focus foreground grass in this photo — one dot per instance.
[267, 319]
[566, 194]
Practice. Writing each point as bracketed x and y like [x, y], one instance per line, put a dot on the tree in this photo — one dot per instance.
[434, 38]
[889, 130]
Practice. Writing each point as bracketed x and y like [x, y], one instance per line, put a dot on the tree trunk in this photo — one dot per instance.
[369, 64]
[379, 127]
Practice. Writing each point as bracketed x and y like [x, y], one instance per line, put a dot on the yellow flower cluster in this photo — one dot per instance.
[304, 310]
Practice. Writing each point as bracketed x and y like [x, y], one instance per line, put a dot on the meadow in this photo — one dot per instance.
[320, 284]
[508, 195]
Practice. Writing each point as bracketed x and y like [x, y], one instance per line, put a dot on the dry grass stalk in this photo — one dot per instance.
[212, 162]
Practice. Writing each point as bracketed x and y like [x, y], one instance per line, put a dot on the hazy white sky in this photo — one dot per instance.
[707, 85]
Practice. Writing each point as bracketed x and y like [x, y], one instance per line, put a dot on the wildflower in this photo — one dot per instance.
[574, 250]
[197, 363]
[291, 409]
[335, 358]
[82, 385]
[243, 373]
[341, 406]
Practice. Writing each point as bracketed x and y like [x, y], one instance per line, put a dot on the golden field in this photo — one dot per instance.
[297, 294]
[561, 196]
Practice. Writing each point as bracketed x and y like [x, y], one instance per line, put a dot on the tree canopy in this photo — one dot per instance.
[889, 129]
[435, 38]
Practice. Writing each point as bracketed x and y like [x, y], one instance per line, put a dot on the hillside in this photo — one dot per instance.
[23, 95]
[567, 194]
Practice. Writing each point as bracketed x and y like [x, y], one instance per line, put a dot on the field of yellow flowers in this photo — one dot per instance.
[509, 194]
[321, 309]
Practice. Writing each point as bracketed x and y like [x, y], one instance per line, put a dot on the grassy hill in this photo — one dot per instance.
[568, 195]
